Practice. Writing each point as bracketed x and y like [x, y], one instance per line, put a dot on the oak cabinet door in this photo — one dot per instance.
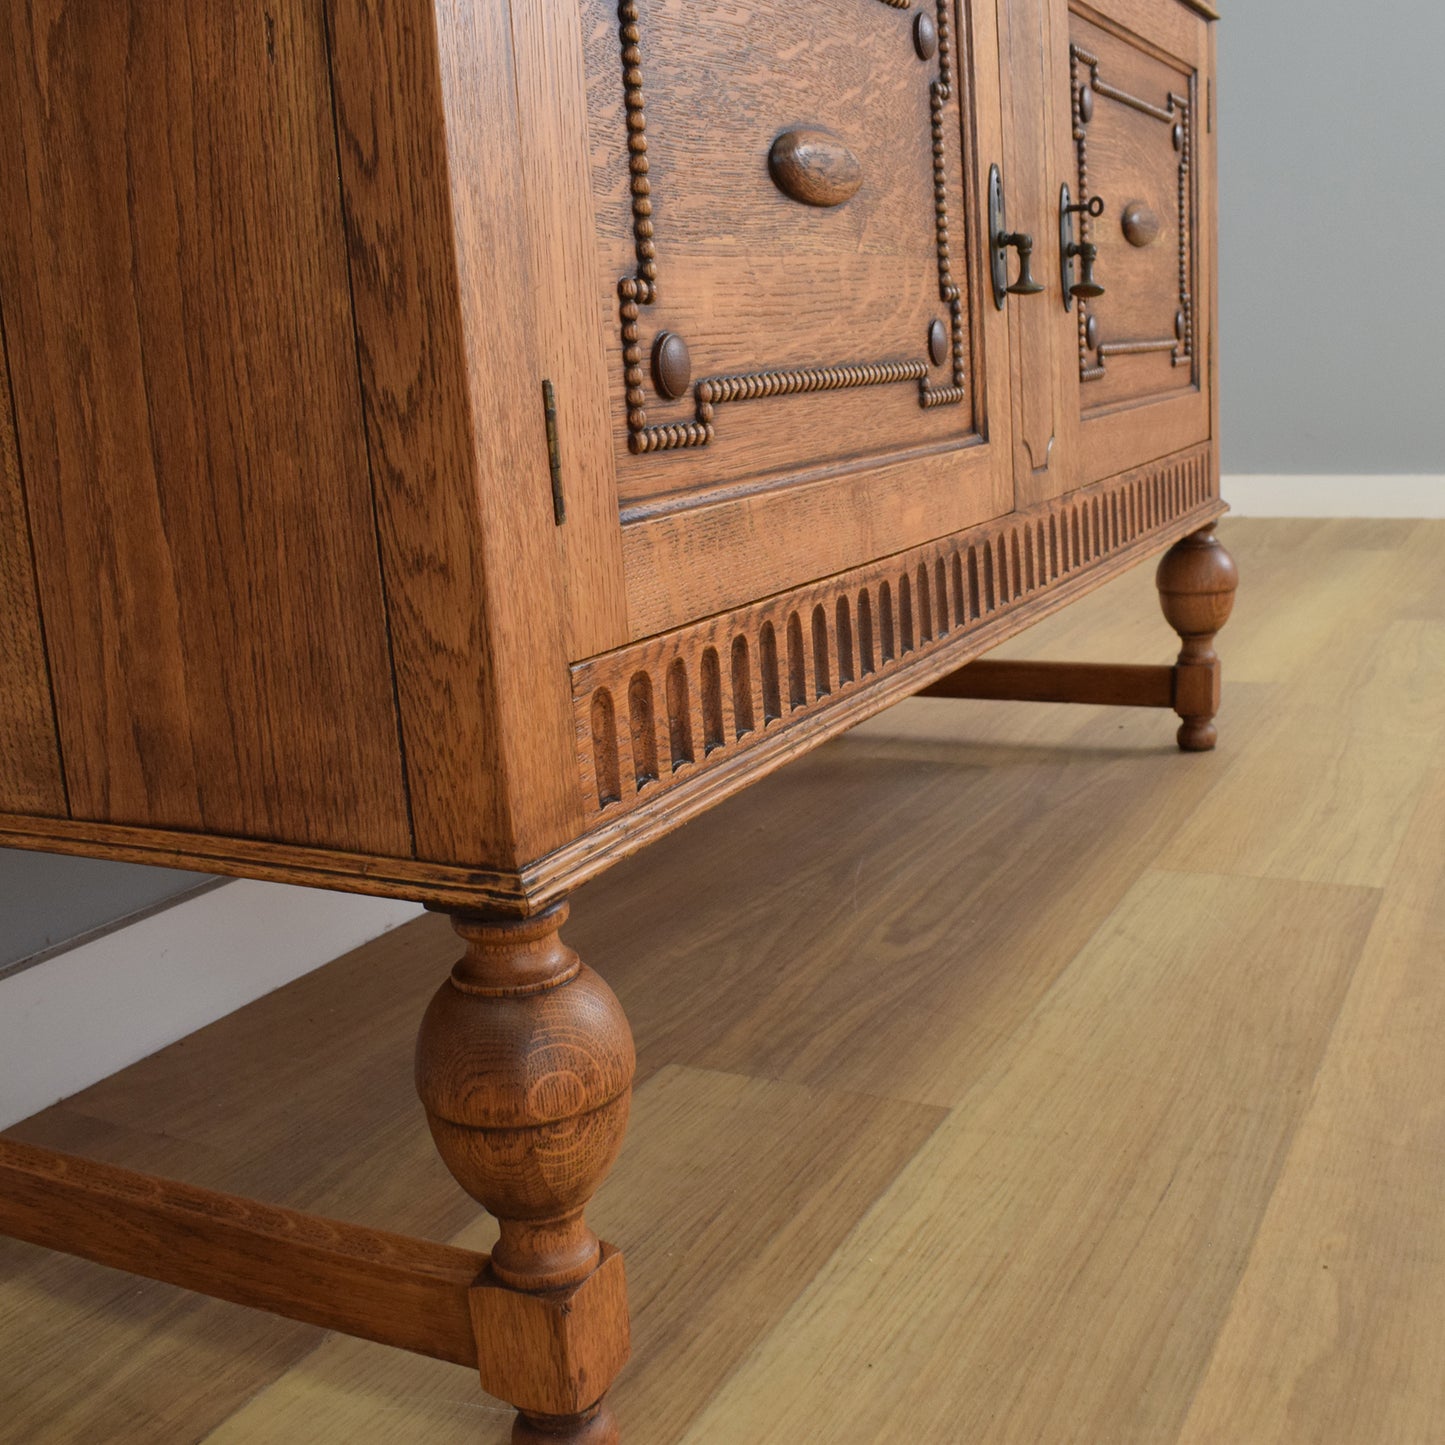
[804, 369]
[1045, 416]
[1136, 88]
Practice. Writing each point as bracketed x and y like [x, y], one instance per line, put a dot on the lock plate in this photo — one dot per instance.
[997, 229]
[1066, 246]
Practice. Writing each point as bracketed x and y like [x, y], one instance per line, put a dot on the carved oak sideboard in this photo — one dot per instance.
[447, 446]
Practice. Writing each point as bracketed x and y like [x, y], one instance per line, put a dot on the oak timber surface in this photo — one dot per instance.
[29, 750]
[1003, 1075]
[189, 422]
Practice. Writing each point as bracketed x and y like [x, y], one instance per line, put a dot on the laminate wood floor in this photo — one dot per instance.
[1004, 1076]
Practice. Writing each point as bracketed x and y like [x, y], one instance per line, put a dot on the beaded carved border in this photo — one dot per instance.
[665, 710]
[641, 290]
[1177, 113]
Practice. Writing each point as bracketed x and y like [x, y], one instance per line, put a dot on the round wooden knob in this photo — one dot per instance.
[1086, 103]
[1142, 226]
[1091, 333]
[671, 365]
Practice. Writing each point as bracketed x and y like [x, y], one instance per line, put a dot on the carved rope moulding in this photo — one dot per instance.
[636, 292]
[654, 715]
[1177, 113]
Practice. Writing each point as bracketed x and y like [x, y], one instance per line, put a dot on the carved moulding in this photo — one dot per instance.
[639, 291]
[1178, 114]
[662, 712]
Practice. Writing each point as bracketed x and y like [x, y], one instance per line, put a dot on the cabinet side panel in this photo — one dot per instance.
[497, 277]
[188, 410]
[556, 146]
[30, 776]
[445, 312]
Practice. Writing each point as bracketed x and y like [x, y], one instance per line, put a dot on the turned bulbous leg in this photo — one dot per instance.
[1197, 580]
[524, 1065]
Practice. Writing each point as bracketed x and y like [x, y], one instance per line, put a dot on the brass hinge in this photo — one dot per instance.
[554, 452]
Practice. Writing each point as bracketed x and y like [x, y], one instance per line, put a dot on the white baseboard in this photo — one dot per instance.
[1335, 496]
[81, 1015]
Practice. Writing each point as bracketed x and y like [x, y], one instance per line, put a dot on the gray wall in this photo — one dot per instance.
[1332, 219]
[46, 901]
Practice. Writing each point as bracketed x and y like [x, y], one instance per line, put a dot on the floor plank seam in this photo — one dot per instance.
[1283, 1155]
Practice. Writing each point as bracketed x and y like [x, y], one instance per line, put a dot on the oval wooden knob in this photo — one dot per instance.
[1141, 226]
[925, 36]
[814, 167]
[938, 343]
[671, 365]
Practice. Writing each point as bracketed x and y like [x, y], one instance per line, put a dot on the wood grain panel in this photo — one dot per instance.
[1142, 369]
[1153, 507]
[755, 281]
[187, 405]
[1083, 1204]
[1138, 148]
[691, 563]
[30, 773]
[556, 147]
[431, 163]
[1166, 28]
[1277, 814]
[1341, 1295]
[1045, 462]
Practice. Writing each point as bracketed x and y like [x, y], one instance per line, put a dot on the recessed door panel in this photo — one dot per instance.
[1140, 316]
[802, 371]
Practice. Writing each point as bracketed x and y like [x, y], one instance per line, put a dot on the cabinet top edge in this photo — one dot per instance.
[1202, 7]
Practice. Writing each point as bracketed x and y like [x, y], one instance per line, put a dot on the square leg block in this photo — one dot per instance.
[553, 1353]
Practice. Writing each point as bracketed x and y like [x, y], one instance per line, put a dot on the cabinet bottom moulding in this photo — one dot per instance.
[662, 714]
[669, 726]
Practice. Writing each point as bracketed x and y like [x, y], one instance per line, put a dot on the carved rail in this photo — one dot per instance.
[663, 712]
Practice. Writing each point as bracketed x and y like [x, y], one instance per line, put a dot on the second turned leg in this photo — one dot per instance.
[524, 1065]
[1197, 580]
